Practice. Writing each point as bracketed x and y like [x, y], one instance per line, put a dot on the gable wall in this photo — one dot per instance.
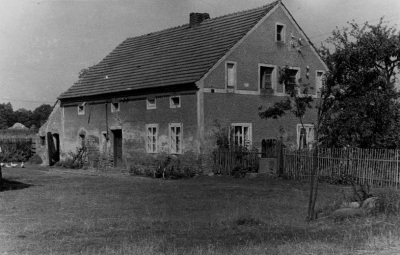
[242, 106]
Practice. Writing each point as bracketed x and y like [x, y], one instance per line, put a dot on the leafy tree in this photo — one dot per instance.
[6, 116]
[298, 102]
[362, 70]
[359, 104]
[30, 119]
[23, 116]
[40, 114]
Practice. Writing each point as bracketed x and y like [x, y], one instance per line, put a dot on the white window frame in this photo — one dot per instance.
[115, 108]
[227, 75]
[172, 104]
[319, 84]
[309, 134]
[149, 105]
[273, 76]
[298, 76]
[283, 32]
[249, 132]
[173, 145]
[152, 146]
[81, 108]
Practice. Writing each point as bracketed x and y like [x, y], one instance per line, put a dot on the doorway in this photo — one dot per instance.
[53, 148]
[117, 141]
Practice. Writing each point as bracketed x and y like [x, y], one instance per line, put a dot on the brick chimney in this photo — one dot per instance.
[197, 18]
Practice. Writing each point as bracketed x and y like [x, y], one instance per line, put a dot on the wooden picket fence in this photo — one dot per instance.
[377, 167]
[226, 160]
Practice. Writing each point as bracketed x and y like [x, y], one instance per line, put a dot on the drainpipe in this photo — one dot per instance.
[107, 138]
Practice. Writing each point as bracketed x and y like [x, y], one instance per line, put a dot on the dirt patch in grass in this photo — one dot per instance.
[83, 212]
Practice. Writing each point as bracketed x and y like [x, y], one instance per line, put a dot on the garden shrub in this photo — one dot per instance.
[35, 159]
[163, 165]
[18, 151]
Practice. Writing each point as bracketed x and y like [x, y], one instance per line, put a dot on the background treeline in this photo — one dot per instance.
[31, 119]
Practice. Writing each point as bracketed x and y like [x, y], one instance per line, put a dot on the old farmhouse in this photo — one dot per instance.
[167, 91]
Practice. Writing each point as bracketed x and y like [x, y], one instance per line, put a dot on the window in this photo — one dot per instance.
[151, 103]
[280, 33]
[305, 135]
[42, 140]
[230, 75]
[115, 107]
[175, 101]
[241, 133]
[82, 138]
[319, 79]
[81, 109]
[151, 138]
[175, 137]
[290, 84]
[266, 78]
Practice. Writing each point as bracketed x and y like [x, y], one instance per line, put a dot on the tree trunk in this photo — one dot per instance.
[1, 180]
[311, 215]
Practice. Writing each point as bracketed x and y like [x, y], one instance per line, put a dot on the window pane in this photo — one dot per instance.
[231, 74]
[266, 77]
[291, 83]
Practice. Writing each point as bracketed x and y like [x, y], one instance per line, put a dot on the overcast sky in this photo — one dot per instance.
[45, 43]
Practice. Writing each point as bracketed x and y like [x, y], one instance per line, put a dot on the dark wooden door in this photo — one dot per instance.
[117, 147]
[51, 149]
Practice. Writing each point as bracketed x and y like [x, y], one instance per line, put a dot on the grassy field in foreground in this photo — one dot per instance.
[85, 212]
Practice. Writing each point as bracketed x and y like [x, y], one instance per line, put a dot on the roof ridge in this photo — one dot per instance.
[211, 19]
[248, 10]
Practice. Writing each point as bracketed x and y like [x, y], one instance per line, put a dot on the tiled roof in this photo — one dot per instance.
[179, 55]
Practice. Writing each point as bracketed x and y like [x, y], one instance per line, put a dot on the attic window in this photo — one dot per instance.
[175, 102]
[280, 33]
[115, 107]
[230, 74]
[81, 109]
[151, 103]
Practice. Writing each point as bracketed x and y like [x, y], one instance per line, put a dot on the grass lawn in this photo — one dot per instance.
[86, 212]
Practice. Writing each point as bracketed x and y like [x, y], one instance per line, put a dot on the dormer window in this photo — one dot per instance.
[280, 32]
[115, 107]
[81, 109]
[175, 101]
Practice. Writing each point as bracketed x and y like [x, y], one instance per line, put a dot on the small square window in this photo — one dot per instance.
[115, 107]
[151, 103]
[81, 109]
[280, 33]
[175, 101]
